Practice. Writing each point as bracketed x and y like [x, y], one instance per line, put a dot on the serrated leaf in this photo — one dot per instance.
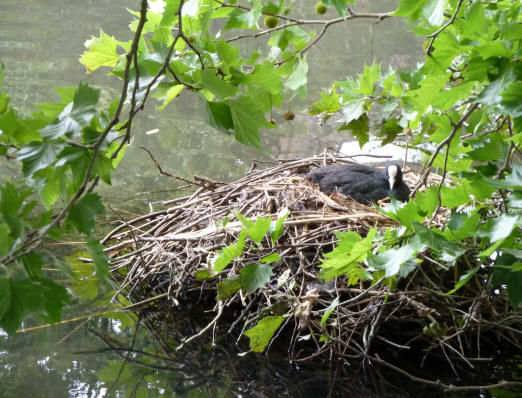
[298, 78]
[227, 287]
[219, 116]
[370, 76]
[258, 230]
[170, 94]
[82, 213]
[216, 85]
[329, 103]
[449, 251]
[400, 260]
[350, 251]
[352, 110]
[228, 253]
[38, 155]
[101, 52]
[261, 334]
[358, 128]
[254, 276]
[75, 116]
[247, 119]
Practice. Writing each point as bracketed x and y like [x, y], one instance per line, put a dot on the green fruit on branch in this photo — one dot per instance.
[289, 115]
[271, 21]
[320, 8]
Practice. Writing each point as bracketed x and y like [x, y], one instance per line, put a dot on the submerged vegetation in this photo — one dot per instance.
[452, 280]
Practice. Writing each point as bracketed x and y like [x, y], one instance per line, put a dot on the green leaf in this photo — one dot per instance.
[352, 110]
[33, 266]
[359, 129]
[491, 95]
[82, 213]
[434, 12]
[400, 260]
[38, 155]
[329, 103]
[511, 102]
[410, 8]
[258, 230]
[216, 85]
[254, 276]
[101, 52]
[503, 275]
[333, 305]
[5, 242]
[247, 119]
[75, 116]
[462, 225]
[276, 227]
[261, 334]
[463, 280]
[271, 258]
[370, 76]
[227, 287]
[171, 93]
[298, 77]
[350, 251]
[228, 253]
[449, 251]
[266, 76]
[219, 116]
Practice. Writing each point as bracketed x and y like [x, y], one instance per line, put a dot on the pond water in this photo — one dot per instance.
[40, 43]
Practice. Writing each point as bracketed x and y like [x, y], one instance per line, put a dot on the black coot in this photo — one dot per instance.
[363, 183]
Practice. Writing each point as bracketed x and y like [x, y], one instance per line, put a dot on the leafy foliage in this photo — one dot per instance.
[463, 102]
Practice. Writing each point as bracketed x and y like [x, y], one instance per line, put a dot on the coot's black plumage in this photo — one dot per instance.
[363, 183]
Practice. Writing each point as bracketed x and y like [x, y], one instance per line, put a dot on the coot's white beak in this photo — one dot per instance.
[392, 174]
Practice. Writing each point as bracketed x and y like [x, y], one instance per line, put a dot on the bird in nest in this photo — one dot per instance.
[363, 183]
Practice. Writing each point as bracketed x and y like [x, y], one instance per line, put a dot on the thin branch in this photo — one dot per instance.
[427, 168]
[434, 35]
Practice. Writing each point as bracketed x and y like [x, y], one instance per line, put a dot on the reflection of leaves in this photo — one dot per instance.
[261, 334]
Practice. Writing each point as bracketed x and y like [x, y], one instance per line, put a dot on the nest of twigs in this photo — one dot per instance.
[155, 258]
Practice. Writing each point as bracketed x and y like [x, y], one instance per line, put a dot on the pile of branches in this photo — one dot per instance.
[155, 259]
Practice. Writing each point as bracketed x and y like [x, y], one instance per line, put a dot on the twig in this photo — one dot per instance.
[434, 35]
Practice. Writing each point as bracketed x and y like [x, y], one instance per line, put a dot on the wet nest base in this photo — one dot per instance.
[408, 327]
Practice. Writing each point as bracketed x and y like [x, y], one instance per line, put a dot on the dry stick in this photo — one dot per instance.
[172, 175]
